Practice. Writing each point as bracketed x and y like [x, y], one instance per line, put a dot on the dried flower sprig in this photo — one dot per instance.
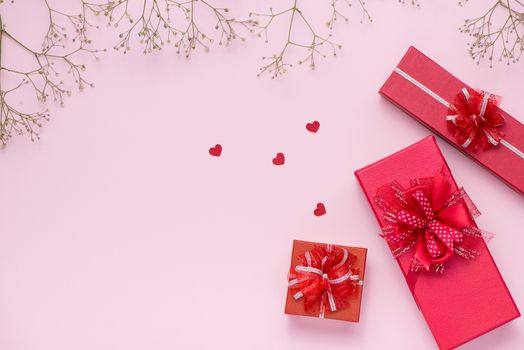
[413, 2]
[155, 24]
[279, 62]
[337, 13]
[54, 70]
[500, 29]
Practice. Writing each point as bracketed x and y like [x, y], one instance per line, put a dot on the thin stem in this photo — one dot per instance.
[1, 37]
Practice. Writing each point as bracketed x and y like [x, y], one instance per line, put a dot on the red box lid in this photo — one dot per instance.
[506, 164]
[470, 298]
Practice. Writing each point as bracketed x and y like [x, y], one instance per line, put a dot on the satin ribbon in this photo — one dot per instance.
[492, 138]
[427, 216]
[326, 276]
[439, 237]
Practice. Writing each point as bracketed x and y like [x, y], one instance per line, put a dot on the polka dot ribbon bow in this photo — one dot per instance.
[324, 275]
[475, 119]
[428, 217]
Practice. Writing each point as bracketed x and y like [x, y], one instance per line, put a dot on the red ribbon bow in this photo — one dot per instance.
[427, 215]
[324, 274]
[475, 117]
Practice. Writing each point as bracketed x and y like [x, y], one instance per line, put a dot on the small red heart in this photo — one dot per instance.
[313, 127]
[279, 159]
[320, 210]
[216, 151]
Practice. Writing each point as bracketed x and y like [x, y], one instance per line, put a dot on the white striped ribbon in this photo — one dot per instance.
[448, 105]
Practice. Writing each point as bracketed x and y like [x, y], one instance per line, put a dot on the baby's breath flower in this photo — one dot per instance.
[296, 16]
[54, 68]
[498, 33]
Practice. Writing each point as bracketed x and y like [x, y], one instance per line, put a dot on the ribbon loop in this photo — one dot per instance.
[308, 269]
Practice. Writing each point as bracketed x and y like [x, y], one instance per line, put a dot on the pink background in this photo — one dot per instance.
[119, 231]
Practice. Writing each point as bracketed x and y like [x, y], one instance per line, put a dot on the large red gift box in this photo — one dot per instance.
[469, 298]
[351, 311]
[422, 88]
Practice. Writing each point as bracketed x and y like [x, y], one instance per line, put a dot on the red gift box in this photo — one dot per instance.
[347, 306]
[425, 90]
[469, 298]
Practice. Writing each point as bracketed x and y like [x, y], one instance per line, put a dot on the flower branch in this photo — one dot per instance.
[155, 24]
[54, 69]
[498, 33]
[313, 47]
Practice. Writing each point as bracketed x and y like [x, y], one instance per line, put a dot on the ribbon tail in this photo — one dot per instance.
[492, 136]
[421, 255]
[322, 310]
[332, 305]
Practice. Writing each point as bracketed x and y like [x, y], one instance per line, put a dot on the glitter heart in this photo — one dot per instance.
[279, 159]
[320, 210]
[313, 127]
[216, 151]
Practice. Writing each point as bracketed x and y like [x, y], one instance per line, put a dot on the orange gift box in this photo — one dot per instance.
[351, 310]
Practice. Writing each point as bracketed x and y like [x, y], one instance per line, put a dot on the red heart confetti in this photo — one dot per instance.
[279, 159]
[313, 127]
[216, 151]
[320, 210]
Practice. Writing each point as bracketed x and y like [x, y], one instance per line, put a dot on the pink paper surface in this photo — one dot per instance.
[119, 231]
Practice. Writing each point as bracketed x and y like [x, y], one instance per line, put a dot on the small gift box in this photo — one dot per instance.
[468, 119]
[325, 281]
[428, 224]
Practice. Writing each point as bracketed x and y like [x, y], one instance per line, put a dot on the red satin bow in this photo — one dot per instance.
[475, 117]
[324, 274]
[431, 218]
